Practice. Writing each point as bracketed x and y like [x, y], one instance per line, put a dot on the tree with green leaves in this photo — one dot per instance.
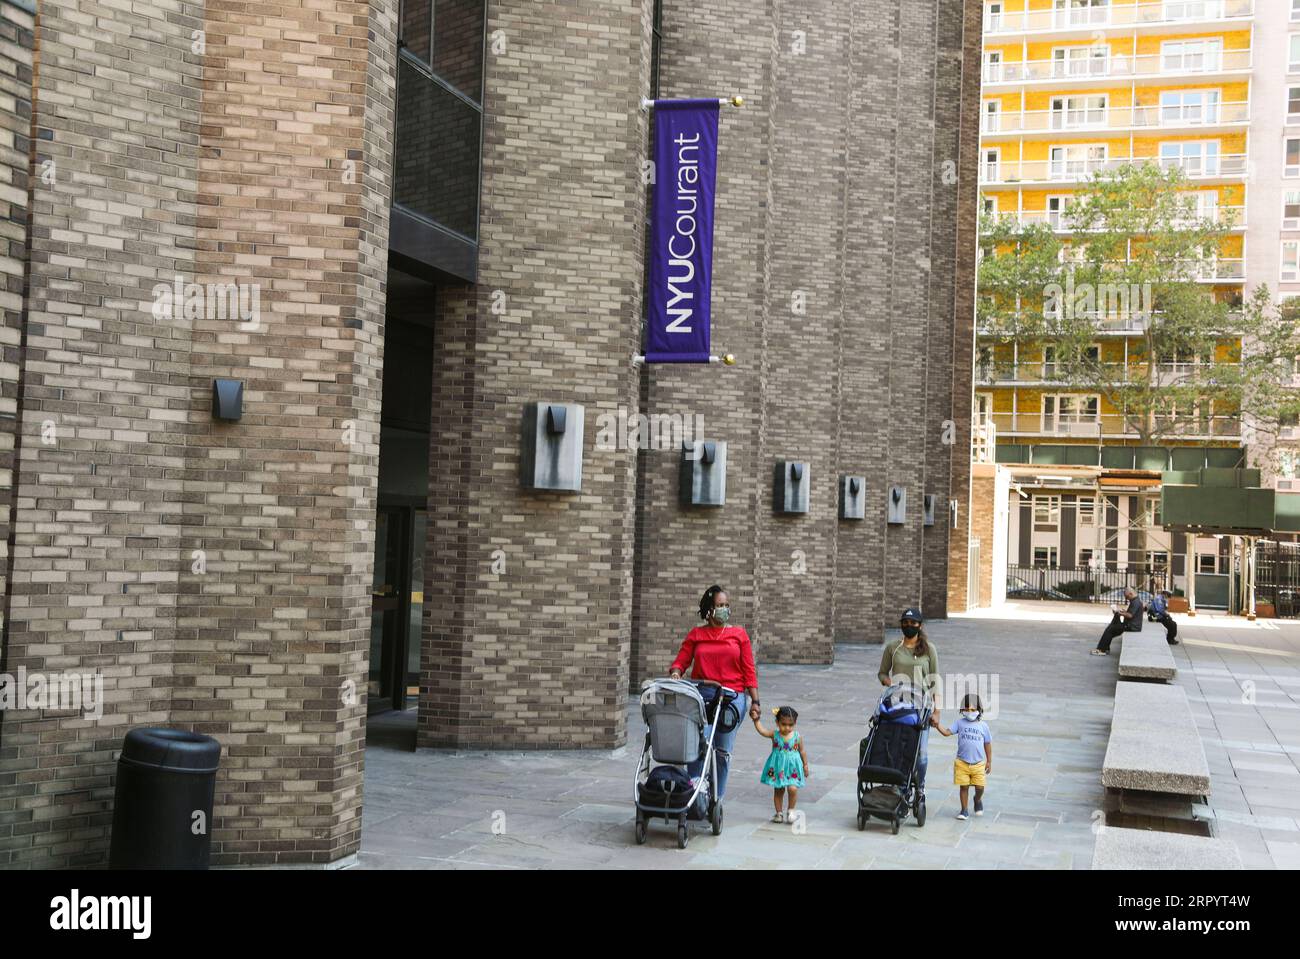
[1135, 261]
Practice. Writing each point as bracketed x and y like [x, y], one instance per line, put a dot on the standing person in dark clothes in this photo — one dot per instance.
[1128, 620]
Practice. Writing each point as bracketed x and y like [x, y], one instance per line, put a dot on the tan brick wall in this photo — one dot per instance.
[216, 574]
[297, 116]
[17, 40]
[537, 656]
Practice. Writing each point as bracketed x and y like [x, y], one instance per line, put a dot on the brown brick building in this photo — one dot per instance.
[397, 224]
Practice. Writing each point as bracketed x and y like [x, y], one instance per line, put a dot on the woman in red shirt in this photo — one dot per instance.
[721, 653]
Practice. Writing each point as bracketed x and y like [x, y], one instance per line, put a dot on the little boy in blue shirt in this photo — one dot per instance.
[974, 752]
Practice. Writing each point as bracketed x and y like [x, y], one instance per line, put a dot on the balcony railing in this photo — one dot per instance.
[1059, 221]
[1111, 425]
[1048, 373]
[1230, 165]
[1144, 117]
[1171, 12]
[1118, 66]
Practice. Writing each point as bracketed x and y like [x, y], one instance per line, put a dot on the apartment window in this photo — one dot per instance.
[1292, 105]
[992, 17]
[1045, 557]
[1193, 9]
[1085, 558]
[992, 116]
[1088, 513]
[1290, 261]
[1057, 217]
[1293, 55]
[1207, 563]
[1157, 559]
[1202, 205]
[1076, 161]
[992, 66]
[1193, 157]
[1069, 413]
[1080, 13]
[992, 164]
[1291, 210]
[1047, 514]
[1082, 111]
[1080, 61]
[1189, 106]
[1291, 157]
[1192, 56]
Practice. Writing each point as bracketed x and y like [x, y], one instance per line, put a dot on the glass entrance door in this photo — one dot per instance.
[396, 603]
[387, 607]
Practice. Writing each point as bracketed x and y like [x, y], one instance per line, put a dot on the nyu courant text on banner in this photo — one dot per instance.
[681, 231]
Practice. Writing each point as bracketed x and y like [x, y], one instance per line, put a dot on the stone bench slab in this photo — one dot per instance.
[1154, 744]
[1146, 656]
[1145, 849]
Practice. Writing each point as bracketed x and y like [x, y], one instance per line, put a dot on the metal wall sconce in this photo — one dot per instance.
[552, 447]
[896, 509]
[227, 399]
[928, 503]
[704, 473]
[790, 491]
[853, 497]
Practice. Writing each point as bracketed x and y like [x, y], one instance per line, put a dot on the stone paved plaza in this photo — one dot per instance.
[443, 810]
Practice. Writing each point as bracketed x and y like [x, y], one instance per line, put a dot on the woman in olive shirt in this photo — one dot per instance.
[914, 659]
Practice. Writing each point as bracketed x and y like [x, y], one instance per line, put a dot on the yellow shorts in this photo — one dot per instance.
[968, 774]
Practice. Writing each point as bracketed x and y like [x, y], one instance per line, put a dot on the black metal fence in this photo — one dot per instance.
[1277, 577]
[1081, 584]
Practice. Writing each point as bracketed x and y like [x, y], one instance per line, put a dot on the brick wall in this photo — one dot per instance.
[537, 655]
[17, 39]
[215, 574]
[843, 180]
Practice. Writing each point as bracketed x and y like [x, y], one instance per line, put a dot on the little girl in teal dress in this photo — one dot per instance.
[787, 768]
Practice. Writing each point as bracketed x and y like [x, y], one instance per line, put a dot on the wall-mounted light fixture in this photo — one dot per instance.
[551, 454]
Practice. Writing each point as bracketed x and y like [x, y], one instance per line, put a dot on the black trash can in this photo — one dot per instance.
[162, 807]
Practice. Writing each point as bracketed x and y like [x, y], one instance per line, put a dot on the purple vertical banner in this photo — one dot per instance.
[681, 231]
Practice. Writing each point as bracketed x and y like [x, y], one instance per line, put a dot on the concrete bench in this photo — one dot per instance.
[1154, 743]
[1146, 655]
[1133, 849]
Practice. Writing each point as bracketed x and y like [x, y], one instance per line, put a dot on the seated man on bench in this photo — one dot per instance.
[1127, 620]
[1160, 614]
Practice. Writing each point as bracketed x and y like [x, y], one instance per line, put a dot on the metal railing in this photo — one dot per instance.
[1233, 217]
[1118, 66]
[1231, 165]
[1277, 577]
[1146, 117]
[1082, 584]
[1081, 425]
[1172, 12]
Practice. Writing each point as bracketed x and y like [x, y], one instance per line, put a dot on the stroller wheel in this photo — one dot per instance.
[895, 823]
[715, 818]
[640, 829]
[919, 811]
[683, 837]
[862, 820]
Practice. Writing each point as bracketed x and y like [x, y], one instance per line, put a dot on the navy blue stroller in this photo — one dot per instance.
[888, 757]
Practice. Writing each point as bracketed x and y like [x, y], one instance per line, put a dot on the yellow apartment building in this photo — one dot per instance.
[1071, 87]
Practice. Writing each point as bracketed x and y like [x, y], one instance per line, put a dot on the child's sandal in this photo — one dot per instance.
[778, 817]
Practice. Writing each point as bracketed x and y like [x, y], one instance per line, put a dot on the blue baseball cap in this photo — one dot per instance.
[911, 613]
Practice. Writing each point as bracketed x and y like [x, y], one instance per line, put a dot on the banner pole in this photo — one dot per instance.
[736, 101]
[727, 359]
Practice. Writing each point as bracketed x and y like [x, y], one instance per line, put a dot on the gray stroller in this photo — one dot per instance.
[677, 714]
